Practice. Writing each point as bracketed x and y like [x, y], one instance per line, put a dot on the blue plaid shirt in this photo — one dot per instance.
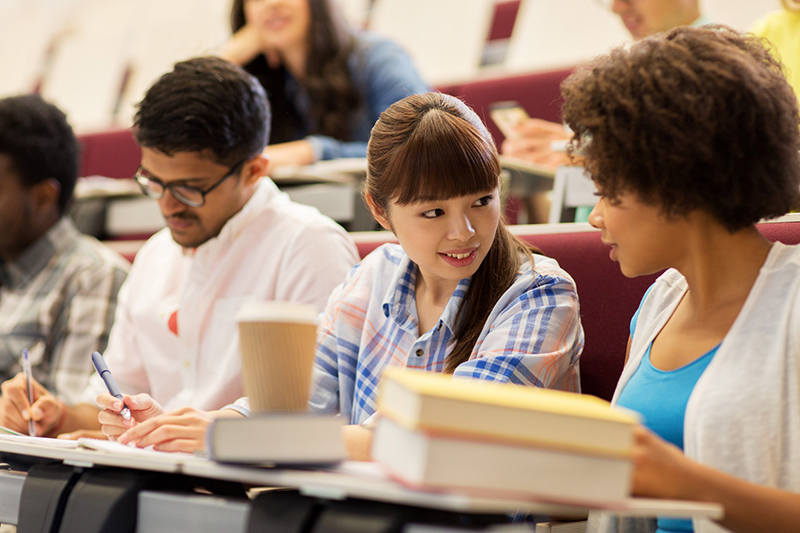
[533, 335]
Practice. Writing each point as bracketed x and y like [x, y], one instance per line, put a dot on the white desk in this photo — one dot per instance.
[350, 480]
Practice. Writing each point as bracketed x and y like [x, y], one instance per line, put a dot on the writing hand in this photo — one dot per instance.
[142, 407]
[16, 410]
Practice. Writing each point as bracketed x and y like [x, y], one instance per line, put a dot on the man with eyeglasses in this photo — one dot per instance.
[646, 17]
[58, 288]
[231, 236]
[534, 138]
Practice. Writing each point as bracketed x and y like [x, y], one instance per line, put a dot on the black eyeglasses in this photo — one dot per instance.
[192, 196]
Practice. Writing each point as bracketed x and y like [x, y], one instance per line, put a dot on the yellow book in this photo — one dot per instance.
[440, 404]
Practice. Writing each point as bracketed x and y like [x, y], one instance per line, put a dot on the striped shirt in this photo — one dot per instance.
[58, 300]
[533, 335]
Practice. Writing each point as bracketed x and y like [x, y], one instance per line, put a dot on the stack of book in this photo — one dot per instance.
[436, 432]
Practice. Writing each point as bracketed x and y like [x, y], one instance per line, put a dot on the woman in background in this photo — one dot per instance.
[692, 137]
[326, 84]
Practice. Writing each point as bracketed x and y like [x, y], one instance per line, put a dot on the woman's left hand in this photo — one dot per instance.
[661, 470]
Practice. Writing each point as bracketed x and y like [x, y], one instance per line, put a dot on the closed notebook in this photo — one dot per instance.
[505, 412]
[430, 461]
[267, 439]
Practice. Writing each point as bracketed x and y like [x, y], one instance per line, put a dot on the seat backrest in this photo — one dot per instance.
[113, 154]
[607, 301]
[538, 92]
[445, 43]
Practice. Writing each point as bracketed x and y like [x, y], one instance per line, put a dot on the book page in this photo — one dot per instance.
[115, 448]
[40, 441]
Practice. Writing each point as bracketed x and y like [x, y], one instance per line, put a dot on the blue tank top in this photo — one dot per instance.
[660, 396]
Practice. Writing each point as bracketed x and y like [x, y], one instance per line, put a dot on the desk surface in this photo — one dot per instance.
[356, 480]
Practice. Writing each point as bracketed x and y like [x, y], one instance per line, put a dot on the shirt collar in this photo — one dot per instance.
[400, 298]
[265, 192]
[61, 236]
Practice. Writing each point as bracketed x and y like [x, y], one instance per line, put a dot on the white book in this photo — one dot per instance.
[430, 461]
[533, 416]
[269, 439]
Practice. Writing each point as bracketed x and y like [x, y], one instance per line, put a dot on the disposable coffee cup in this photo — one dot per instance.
[277, 342]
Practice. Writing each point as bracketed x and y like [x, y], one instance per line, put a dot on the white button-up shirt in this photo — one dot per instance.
[273, 249]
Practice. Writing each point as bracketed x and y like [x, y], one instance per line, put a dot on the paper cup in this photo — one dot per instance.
[277, 341]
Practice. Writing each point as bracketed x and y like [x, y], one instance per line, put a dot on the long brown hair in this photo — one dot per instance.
[432, 147]
[327, 79]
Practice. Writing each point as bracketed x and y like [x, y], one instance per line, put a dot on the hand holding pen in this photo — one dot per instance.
[102, 369]
[120, 412]
[42, 416]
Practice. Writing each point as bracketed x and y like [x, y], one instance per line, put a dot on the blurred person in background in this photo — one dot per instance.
[782, 30]
[327, 84]
[58, 288]
[534, 137]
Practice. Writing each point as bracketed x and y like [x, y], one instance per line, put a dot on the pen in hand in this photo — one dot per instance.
[26, 369]
[111, 385]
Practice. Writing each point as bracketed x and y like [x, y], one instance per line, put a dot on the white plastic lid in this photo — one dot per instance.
[261, 311]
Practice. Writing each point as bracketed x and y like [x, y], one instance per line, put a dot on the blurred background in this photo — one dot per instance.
[95, 58]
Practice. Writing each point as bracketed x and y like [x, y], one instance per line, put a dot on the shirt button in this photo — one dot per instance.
[186, 363]
[420, 352]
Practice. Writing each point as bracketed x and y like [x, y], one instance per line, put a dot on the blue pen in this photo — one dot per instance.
[26, 370]
[111, 385]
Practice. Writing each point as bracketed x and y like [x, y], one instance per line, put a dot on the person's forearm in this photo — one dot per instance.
[357, 442]
[80, 416]
[749, 508]
[243, 47]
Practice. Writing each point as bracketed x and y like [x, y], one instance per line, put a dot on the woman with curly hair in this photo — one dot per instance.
[692, 137]
[326, 84]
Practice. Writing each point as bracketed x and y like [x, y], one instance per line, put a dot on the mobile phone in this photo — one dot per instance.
[508, 115]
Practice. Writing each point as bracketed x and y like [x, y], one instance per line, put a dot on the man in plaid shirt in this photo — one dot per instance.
[58, 288]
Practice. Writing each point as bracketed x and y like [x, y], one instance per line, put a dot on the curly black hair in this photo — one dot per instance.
[40, 143]
[691, 119]
[205, 105]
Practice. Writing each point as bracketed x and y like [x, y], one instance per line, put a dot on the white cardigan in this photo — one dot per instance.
[743, 416]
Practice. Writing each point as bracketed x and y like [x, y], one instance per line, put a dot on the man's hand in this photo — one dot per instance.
[142, 408]
[47, 411]
[182, 430]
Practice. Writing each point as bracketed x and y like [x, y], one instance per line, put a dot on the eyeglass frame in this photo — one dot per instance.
[138, 175]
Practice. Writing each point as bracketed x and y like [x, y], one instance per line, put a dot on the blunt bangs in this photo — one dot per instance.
[445, 157]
